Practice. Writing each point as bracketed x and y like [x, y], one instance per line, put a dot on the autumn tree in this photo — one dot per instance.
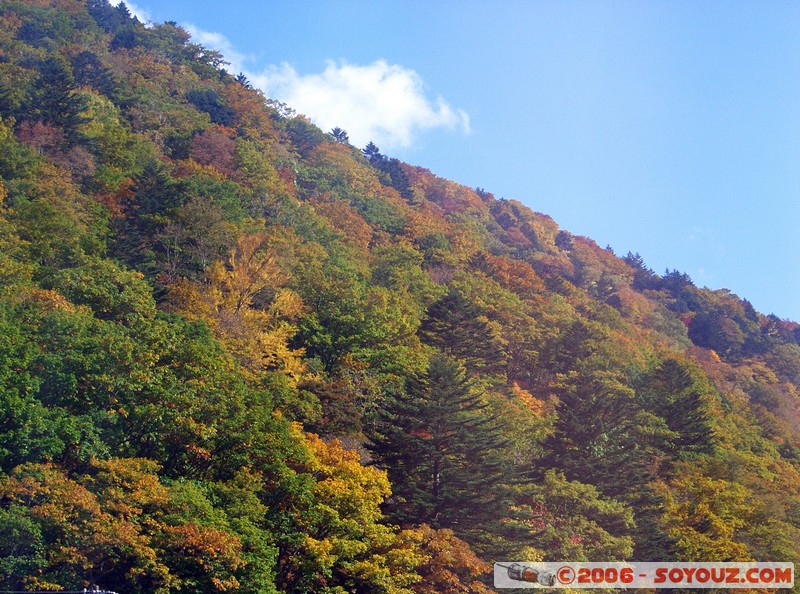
[77, 532]
[192, 277]
[450, 565]
[214, 147]
[258, 334]
[706, 515]
[346, 544]
[118, 527]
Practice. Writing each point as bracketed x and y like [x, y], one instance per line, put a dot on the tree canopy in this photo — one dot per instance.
[238, 353]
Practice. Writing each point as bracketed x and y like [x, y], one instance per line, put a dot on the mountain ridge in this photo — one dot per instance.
[204, 295]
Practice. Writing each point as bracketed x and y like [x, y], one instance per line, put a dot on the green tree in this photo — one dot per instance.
[54, 98]
[714, 329]
[22, 550]
[677, 392]
[89, 70]
[574, 521]
[340, 135]
[155, 196]
[213, 104]
[27, 432]
[458, 327]
[109, 17]
[601, 436]
[643, 276]
[373, 153]
[444, 454]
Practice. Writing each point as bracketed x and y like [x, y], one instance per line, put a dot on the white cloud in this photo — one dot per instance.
[219, 42]
[378, 102]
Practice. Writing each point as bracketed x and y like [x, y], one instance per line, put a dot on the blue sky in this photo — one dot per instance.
[668, 128]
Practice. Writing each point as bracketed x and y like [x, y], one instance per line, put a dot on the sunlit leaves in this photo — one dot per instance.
[120, 523]
[259, 336]
[450, 565]
[573, 521]
[152, 451]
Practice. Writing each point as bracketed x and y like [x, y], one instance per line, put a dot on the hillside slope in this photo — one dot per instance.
[203, 297]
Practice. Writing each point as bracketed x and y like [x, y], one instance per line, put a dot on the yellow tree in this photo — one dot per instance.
[346, 546]
[86, 535]
[451, 567]
[705, 515]
[245, 302]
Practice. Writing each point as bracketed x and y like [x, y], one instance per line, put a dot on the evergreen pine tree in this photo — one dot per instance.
[601, 436]
[373, 153]
[643, 276]
[156, 194]
[652, 542]
[109, 17]
[398, 177]
[89, 70]
[443, 452]
[7, 103]
[456, 326]
[241, 78]
[340, 135]
[674, 392]
[54, 99]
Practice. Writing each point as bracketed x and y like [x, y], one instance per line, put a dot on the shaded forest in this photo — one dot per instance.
[239, 354]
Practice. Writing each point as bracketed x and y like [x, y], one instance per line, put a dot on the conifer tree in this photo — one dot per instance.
[443, 453]
[54, 100]
[674, 392]
[155, 195]
[643, 276]
[156, 192]
[7, 104]
[109, 17]
[601, 436]
[89, 70]
[340, 135]
[373, 153]
[457, 327]
[398, 177]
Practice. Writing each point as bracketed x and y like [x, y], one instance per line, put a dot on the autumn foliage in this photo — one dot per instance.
[238, 354]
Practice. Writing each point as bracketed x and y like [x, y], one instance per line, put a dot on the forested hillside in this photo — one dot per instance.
[239, 354]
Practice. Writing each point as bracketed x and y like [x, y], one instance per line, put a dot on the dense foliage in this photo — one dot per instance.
[239, 354]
